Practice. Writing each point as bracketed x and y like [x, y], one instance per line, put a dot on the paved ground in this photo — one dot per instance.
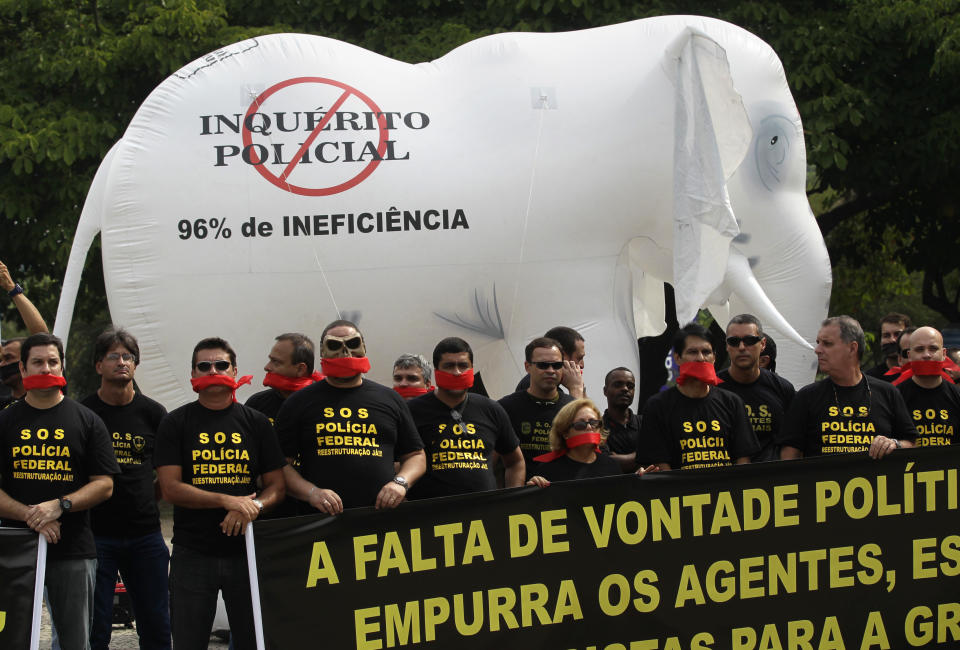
[124, 639]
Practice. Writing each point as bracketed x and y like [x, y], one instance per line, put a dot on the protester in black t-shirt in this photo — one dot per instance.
[532, 411]
[693, 425]
[289, 368]
[575, 438]
[622, 424]
[462, 432]
[126, 527]
[56, 462]
[766, 396]
[573, 348]
[848, 411]
[210, 455]
[932, 400]
[347, 432]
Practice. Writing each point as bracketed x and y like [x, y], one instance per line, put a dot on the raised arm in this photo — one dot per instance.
[30, 315]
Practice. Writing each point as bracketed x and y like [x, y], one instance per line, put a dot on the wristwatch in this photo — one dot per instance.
[65, 504]
[259, 504]
[16, 291]
[402, 482]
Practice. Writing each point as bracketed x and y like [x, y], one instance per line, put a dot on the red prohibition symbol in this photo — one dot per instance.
[281, 180]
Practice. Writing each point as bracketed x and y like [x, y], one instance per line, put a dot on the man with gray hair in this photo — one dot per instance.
[848, 411]
[766, 396]
[412, 376]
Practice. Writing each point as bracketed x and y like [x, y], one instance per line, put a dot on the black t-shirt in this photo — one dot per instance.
[565, 468]
[829, 419]
[935, 412]
[458, 453]
[767, 400]
[347, 438]
[267, 402]
[879, 371]
[132, 510]
[220, 451]
[49, 453]
[689, 433]
[622, 438]
[531, 419]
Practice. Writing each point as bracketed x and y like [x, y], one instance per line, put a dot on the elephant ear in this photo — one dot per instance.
[712, 134]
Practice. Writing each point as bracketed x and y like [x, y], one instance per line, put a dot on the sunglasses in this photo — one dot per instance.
[543, 365]
[335, 344]
[735, 341]
[583, 425]
[204, 366]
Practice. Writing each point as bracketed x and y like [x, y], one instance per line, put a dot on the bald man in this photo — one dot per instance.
[933, 402]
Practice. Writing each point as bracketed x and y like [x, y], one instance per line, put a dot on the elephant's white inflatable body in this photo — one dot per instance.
[521, 181]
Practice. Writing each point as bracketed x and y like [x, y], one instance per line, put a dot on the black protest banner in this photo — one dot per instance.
[18, 574]
[837, 553]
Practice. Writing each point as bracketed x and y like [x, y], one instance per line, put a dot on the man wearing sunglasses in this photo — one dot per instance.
[347, 432]
[462, 432]
[693, 425]
[766, 396]
[933, 403]
[573, 348]
[531, 411]
[126, 527]
[210, 455]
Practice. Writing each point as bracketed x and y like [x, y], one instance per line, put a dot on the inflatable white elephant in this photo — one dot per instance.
[521, 181]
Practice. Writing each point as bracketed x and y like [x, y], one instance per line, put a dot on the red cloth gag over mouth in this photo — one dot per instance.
[406, 392]
[449, 381]
[32, 382]
[922, 369]
[291, 384]
[702, 370]
[588, 438]
[206, 381]
[344, 366]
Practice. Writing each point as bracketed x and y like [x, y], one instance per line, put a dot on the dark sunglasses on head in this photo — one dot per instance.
[734, 341]
[204, 366]
[583, 425]
[543, 365]
[334, 344]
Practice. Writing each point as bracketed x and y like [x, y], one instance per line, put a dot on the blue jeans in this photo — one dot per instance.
[195, 580]
[142, 563]
[69, 586]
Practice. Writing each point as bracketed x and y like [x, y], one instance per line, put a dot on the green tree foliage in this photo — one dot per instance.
[875, 80]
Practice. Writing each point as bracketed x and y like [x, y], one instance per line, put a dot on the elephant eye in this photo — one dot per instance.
[774, 139]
